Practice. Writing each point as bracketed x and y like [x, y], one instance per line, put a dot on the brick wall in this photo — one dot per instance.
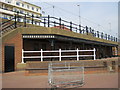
[15, 41]
[98, 66]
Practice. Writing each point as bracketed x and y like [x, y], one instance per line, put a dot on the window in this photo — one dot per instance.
[36, 15]
[21, 11]
[5, 8]
[28, 6]
[17, 10]
[37, 9]
[5, 16]
[14, 9]
[18, 3]
[1, 15]
[19, 19]
[28, 21]
[22, 5]
[32, 14]
[27, 13]
[32, 8]
[8, 1]
[35, 22]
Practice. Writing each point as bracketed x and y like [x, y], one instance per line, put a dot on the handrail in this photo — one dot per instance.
[7, 21]
[7, 27]
[46, 20]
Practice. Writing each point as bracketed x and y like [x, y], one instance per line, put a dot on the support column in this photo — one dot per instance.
[59, 54]
[100, 52]
[41, 55]
[109, 51]
[92, 46]
[52, 44]
[94, 54]
[77, 54]
[97, 54]
[22, 56]
[117, 51]
[105, 52]
[111, 54]
[83, 46]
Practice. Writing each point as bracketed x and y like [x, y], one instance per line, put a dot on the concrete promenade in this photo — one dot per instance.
[18, 79]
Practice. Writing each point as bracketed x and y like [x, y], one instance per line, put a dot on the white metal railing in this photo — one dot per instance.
[60, 54]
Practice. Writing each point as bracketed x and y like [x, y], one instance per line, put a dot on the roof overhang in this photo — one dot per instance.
[63, 38]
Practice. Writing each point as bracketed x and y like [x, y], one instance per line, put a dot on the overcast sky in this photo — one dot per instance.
[102, 16]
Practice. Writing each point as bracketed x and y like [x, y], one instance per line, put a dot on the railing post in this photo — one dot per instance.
[102, 35]
[59, 54]
[79, 28]
[63, 26]
[25, 20]
[98, 34]
[106, 36]
[41, 55]
[17, 16]
[32, 19]
[70, 26]
[39, 23]
[86, 30]
[60, 22]
[15, 21]
[77, 54]
[48, 21]
[116, 39]
[54, 23]
[76, 29]
[22, 56]
[44, 22]
[90, 30]
[111, 38]
[83, 31]
[93, 32]
[94, 54]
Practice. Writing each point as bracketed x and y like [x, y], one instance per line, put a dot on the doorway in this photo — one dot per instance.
[9, 58]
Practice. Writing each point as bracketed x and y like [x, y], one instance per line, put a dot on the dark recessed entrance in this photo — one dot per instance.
[9, 58]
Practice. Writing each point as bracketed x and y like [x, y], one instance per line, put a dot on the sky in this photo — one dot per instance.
[101, 16]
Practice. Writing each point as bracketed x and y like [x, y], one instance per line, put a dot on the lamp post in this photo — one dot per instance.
[110, 27]
[79, 14]
[79, 19]
[53, 10]
[43, 12]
